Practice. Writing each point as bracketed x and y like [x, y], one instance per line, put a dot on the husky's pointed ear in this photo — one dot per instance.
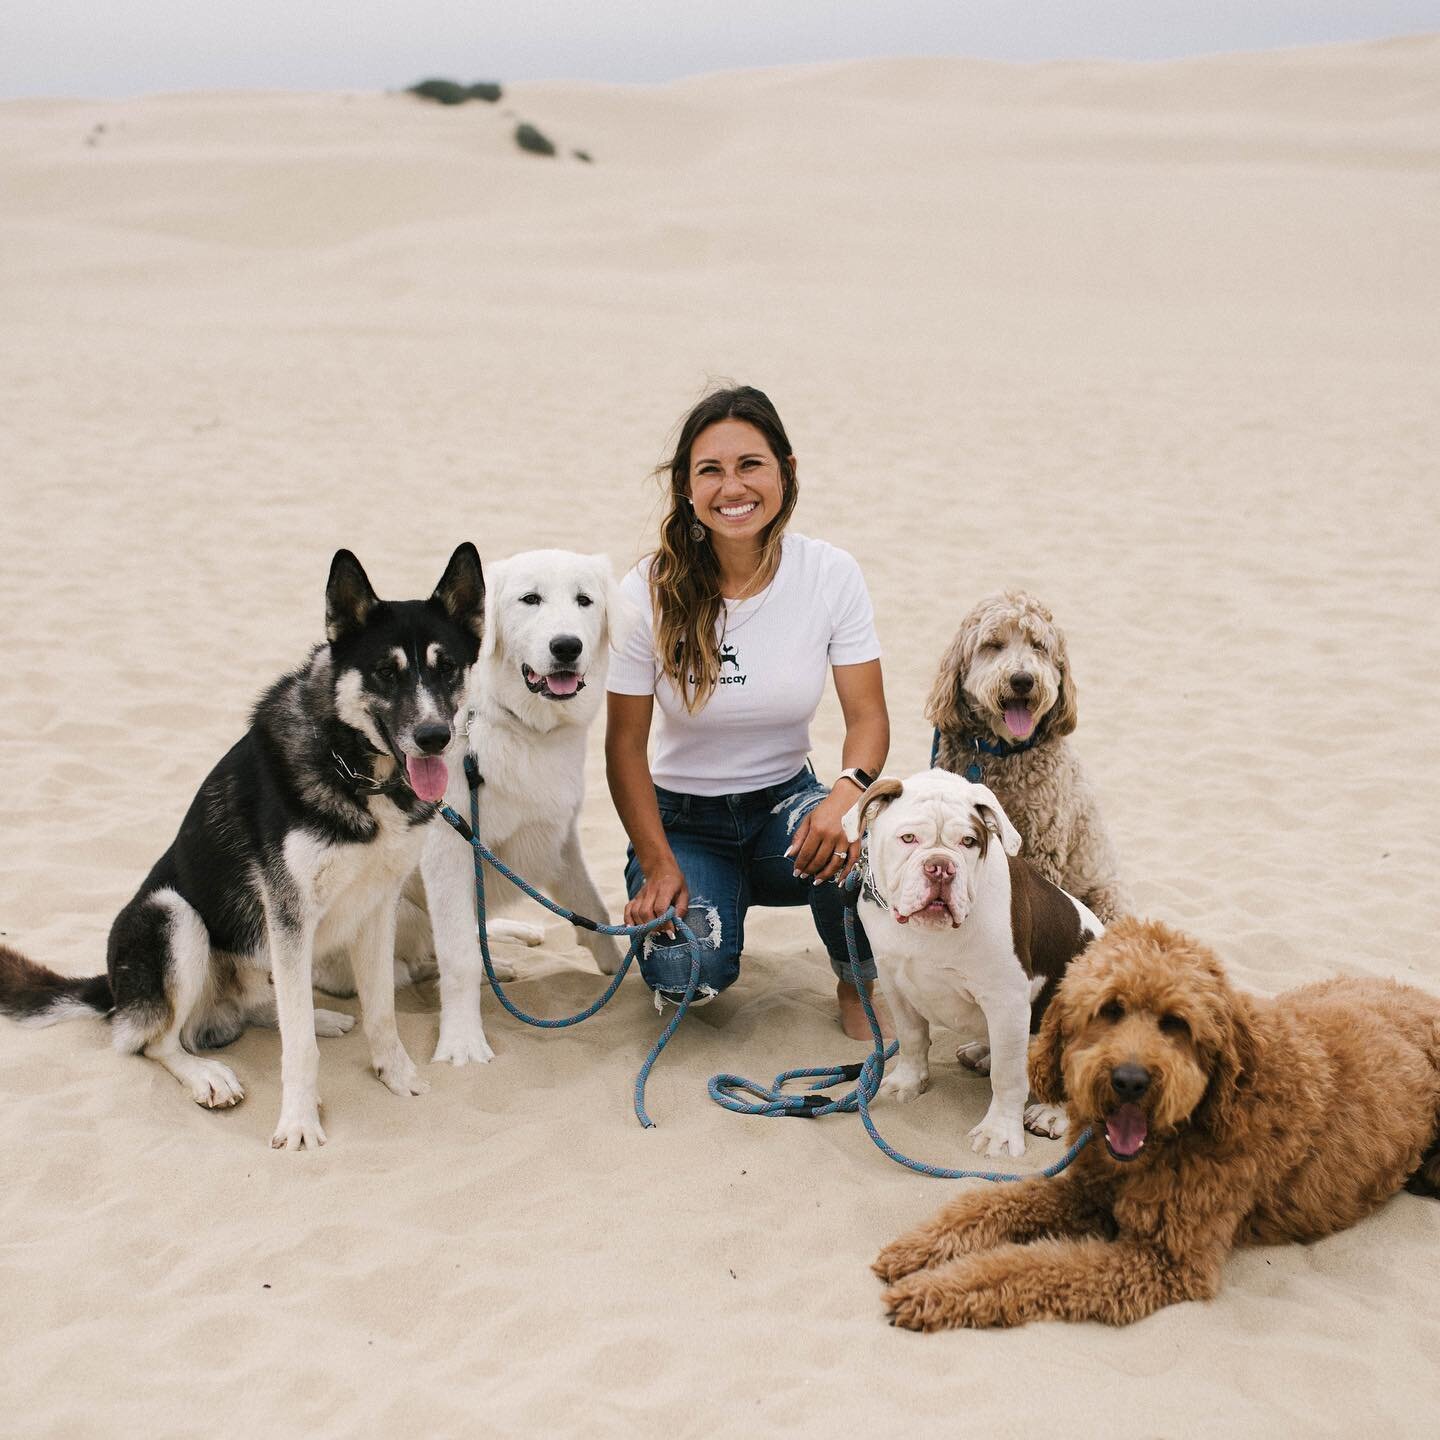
[858, 818]
[349, 597]
[992, 812]
[461, 591]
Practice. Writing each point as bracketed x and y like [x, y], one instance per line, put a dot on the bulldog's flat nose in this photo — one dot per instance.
[1130, 1081]
[939, 869]
[566, 648]
[432, 736]
[1022, 683]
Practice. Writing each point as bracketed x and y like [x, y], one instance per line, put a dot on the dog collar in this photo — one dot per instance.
[1000, 749]
[367, 782]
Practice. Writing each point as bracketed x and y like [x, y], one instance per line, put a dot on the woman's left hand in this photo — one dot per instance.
[820, 849]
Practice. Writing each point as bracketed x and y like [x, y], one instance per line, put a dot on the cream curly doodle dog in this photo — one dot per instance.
[1004, 703]
[1221, 1119]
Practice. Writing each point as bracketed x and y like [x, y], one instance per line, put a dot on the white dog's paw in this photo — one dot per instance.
[330, 1023]
[975, 1056]
[1048, 1120]
[213, 1085]
[299, 1128]
[398, 1074]
[462, 1045]
[607, 952]
[520, 931]
[998, 1135]
[903, 1084]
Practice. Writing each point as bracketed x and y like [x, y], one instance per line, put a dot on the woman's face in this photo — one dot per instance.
[735, 483]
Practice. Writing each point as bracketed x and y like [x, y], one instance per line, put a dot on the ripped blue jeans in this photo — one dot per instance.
[731, 849]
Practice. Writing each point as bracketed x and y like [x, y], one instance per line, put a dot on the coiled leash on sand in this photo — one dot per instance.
[773, 1101]
[636, 934]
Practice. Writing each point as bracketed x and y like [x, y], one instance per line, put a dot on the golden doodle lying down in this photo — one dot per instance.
[1220, 1119]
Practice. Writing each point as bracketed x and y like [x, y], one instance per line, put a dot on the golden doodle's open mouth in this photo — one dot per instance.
[1125, 1130]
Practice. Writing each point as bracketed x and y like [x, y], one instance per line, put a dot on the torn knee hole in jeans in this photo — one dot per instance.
[704, 920]
[702, 917]
[797, 807]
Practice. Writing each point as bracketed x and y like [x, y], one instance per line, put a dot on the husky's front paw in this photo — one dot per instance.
[299, 1128]
[398, 1074]
[213, 1085]
[998, 1135]
[462, 1045]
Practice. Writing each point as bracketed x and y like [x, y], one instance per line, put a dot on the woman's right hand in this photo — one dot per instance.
[664, 886]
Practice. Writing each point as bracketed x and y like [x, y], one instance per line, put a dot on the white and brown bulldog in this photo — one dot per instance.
[965, 935]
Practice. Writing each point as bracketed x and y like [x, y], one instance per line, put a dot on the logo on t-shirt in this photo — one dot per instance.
[730, 656]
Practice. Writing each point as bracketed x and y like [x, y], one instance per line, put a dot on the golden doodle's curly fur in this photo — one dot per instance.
[1260, 1121]
[1009, 656]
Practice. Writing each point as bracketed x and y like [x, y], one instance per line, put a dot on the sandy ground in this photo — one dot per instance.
[1156, 341]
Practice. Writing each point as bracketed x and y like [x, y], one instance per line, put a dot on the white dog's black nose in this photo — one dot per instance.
[566, 648]
[432, 736]
[1130, 1081]
[1021, 683]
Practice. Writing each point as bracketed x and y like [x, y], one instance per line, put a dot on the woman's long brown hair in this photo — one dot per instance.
[684, 574]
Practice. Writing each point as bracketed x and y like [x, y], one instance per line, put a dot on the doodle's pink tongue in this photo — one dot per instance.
[562, 682]
[427, 775]
[1125, 1129]
[1018, 721]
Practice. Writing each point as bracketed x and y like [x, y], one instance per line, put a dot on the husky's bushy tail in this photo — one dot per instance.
[34, 995]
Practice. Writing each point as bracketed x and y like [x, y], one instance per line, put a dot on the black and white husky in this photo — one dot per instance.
[297, 843]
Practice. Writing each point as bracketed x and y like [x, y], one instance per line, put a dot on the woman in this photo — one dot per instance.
[744, 618]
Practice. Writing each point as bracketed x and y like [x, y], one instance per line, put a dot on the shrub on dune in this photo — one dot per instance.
[451, 92]
[527, 137]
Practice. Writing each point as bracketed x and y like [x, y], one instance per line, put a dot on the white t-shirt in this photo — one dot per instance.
[754, 730]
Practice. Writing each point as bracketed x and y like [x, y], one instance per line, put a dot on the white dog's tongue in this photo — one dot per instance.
[1125, 1129]
[562, 682]
[427, 775]
[1018, 721]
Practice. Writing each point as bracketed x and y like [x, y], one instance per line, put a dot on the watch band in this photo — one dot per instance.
[863, 778]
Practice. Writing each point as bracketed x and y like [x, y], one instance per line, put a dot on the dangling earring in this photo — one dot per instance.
[697, 530]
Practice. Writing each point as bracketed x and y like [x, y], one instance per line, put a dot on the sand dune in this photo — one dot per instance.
[1157, 341]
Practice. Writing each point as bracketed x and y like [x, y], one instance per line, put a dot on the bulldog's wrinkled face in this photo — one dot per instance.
[929, 839]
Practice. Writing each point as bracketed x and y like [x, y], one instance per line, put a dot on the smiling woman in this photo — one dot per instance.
[745, 619]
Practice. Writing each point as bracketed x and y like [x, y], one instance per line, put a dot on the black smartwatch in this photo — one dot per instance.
[863, 778]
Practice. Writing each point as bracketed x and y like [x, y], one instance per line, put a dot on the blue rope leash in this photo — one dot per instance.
[726, 1089]
[636, 933]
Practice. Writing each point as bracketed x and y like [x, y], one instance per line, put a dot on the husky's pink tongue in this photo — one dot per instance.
[1125, 1129]
[1018, 721]
[563, 682]
[427, 775]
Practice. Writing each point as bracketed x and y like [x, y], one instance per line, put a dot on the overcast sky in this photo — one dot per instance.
[125, 47]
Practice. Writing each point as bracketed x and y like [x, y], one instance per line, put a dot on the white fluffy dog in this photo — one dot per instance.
[966, 935]
[1004, 702]
[551, 619]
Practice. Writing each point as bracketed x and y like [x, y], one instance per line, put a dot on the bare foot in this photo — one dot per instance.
[852, 1012]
